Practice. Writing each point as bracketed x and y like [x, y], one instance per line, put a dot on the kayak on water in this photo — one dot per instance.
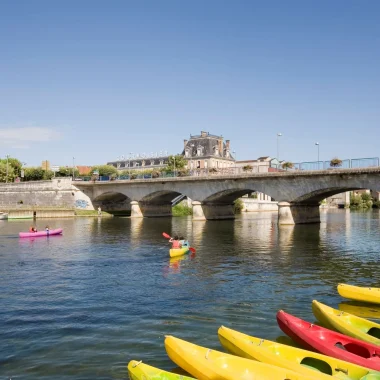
[329, 342]
[174, 252]
[206, 364]
[346, 323]
[296, 359]
[357, 293]
[57, 231]
[140, 371]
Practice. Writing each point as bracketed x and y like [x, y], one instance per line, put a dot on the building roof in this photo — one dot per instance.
[83, 170]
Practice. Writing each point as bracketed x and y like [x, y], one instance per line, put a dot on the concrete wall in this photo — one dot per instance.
[59, 192]
[254, 205]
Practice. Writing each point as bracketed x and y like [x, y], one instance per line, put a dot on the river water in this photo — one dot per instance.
[81, 305]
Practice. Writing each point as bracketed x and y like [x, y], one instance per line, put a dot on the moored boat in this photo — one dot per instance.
[358, 293]
[140, 371]
[360, 309]
[3, 216]
[346, 323]
[207, 364]
[329, 342]
[42, 233]
[299, 360]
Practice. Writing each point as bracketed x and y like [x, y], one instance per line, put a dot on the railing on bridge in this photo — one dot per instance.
[213, 172]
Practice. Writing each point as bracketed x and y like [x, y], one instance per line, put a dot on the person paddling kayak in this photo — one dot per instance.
[175, 242]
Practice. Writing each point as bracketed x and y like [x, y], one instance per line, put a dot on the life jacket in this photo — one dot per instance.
[176, 244]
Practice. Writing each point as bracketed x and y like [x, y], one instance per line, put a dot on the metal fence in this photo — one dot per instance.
[313, 165]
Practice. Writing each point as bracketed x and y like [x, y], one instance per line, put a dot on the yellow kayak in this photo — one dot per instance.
[357, 293]
[347, 324]
[301, 361]
[140, 371]
[360, 310]
[206, 364]
[174, 252]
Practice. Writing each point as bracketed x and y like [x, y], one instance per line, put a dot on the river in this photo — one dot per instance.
[81, 305]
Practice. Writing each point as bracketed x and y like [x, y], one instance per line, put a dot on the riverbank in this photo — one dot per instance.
[92, 213]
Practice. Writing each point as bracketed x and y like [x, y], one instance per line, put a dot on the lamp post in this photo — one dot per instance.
[6, 178]
[174, 165]
[317, 144]
[278, 147]
[234, 153]
[73, 168]
[129, 164]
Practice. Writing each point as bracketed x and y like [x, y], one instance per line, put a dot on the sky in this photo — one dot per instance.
[96, 80]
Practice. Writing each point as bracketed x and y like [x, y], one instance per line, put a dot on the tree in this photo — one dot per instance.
[3, 172]
[336, 162]
[176, 162]
[34, 174]
[14, 163]
[287, 165]
[65, 171]
[105, 170]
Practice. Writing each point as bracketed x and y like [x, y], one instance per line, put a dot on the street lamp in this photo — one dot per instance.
[174, 164]
[6, 178]
[129, 163]
[317, 144]
[278, 148]
[73, 168]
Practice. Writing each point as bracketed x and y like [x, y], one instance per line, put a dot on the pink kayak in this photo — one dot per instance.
[58, 231]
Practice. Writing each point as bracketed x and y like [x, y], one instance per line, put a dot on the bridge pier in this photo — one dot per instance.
[150, 209]
[293, 213]
[212, 211]
[135, 210]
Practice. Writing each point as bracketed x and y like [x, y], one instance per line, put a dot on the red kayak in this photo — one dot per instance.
[329, 342]
[58, 231]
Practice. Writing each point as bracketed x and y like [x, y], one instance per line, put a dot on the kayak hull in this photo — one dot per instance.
[178, 251]
[329, 342]
[140, 371]
[296, 359]
[346, 323]
[57, 231]
[357, 293]
[206, 364]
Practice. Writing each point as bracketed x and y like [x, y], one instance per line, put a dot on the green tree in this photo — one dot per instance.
[105, 170]
[34, 174]
[65, 171]
[287, 165]
[14, 163]
[176, 162]
[3, 172]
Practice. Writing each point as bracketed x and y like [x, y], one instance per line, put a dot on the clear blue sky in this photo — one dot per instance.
[98, 79]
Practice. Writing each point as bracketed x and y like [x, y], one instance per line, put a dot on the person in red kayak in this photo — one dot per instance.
[175, 242]
[32, 229]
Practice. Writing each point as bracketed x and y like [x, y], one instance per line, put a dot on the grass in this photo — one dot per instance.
[182, 210]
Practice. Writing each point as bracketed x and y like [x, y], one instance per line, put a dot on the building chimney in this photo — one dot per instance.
[228, 144]
[204, 134]
[220, 143]
[185, 143]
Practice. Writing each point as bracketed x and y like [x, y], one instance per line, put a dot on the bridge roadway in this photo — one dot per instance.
[298, 192]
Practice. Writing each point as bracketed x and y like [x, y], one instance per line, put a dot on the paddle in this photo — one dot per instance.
[167, 236]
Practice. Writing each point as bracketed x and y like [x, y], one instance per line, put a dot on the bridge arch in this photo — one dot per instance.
[314, 197]
[113, 202]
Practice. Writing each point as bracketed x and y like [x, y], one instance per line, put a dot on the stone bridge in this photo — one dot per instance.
[298, 192]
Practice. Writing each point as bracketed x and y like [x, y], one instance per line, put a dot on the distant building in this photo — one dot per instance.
[261, 165]
[45, 165]
[140, 162]
[206, 151]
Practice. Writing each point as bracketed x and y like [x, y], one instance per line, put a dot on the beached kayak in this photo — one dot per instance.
[329, 342]
[206, 364]
[174, 252]
[140, 371]
[360, 309]
[347, 324]
[298, 360]
[57, 231]
[357, 293]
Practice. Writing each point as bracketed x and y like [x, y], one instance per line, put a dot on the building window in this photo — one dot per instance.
[161, 162]
[216, 151]
[206, 164]
[198, 164]
[187, 153]
[199, 151]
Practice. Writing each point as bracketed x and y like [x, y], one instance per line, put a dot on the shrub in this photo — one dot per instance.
[247, 168]
[336, 162]
[287, 165]
[238, 206]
